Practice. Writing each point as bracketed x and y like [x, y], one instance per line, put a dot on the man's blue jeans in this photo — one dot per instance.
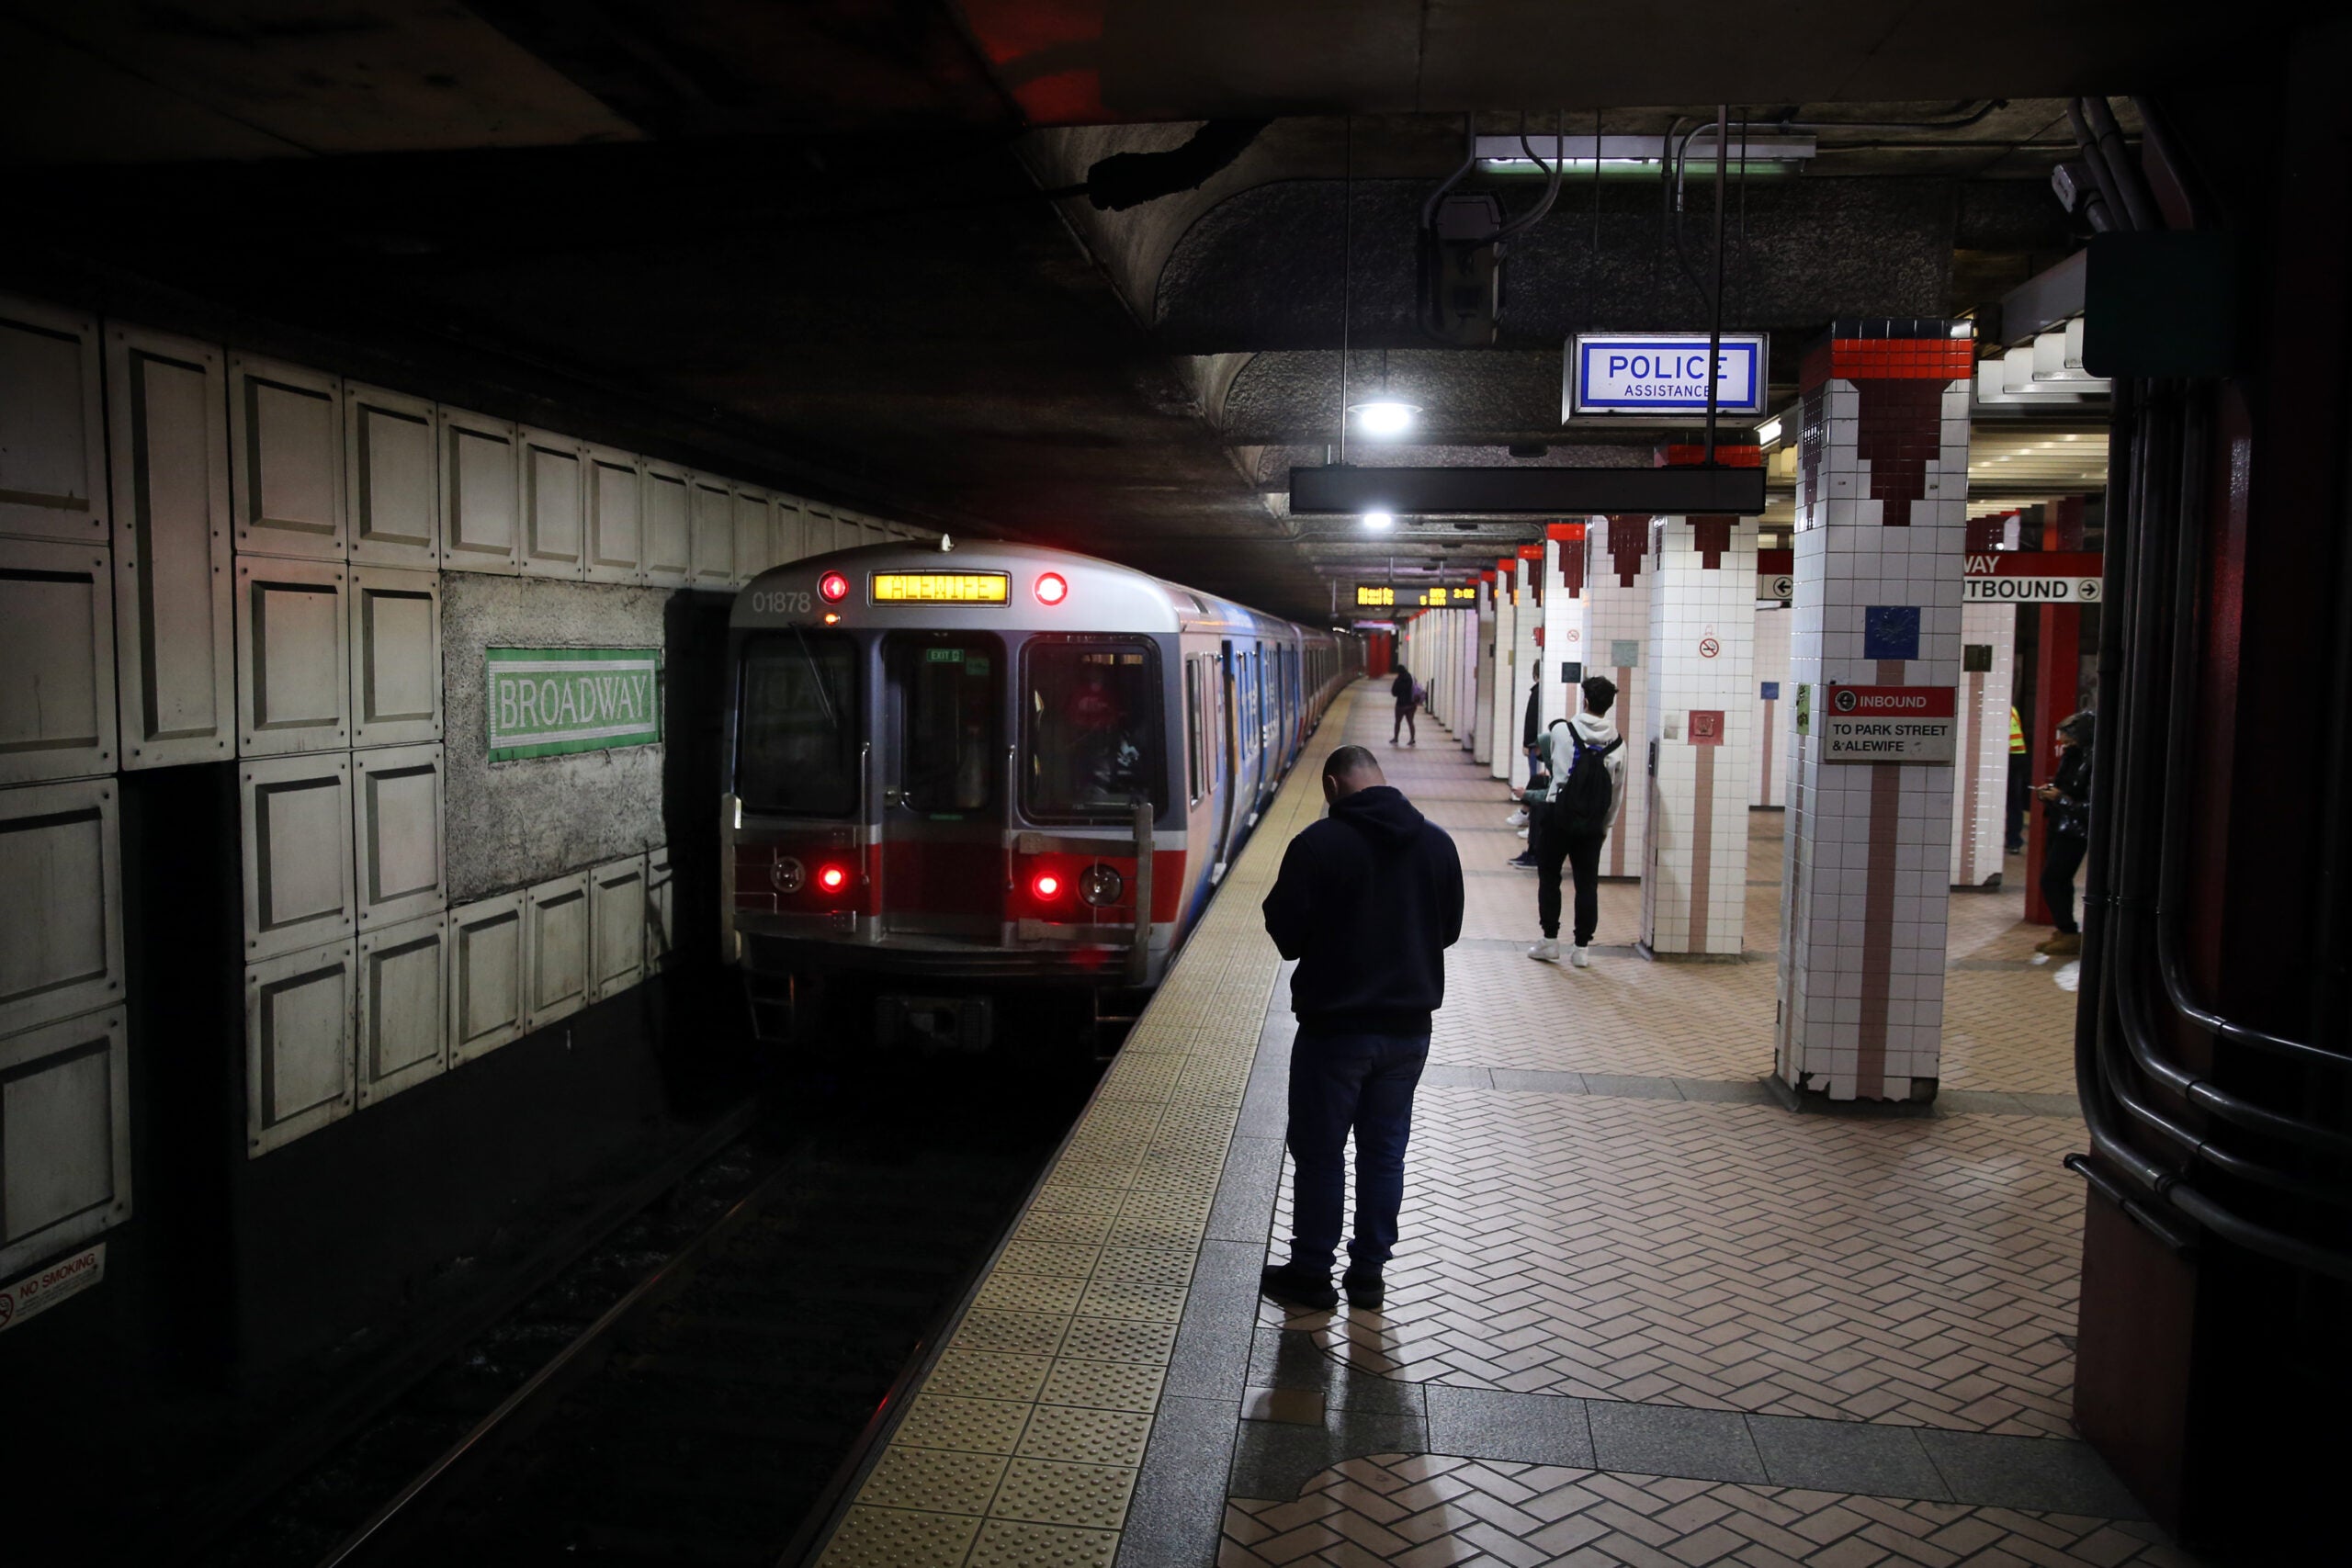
[1340, 1082]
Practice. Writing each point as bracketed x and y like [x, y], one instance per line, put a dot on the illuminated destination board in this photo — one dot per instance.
[942, 588]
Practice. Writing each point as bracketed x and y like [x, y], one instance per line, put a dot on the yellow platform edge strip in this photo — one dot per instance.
[1025, 1441]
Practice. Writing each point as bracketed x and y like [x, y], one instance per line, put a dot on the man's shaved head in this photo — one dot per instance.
[1349, 769]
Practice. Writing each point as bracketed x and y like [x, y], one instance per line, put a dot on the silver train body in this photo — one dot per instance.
[953, 772]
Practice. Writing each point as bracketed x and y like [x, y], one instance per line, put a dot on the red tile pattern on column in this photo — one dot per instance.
[1712, 538]
[1436, 1511]
[1629, 541]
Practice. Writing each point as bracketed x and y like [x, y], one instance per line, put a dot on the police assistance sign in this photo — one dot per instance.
[548, 701]
[1662, 373]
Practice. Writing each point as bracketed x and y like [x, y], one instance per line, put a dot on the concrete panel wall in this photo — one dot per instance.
[511, 824]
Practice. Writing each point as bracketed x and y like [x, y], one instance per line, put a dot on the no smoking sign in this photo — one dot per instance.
[1709, 648]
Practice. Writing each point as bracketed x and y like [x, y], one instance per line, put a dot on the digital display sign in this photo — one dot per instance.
[942, 588]
[1374, 596]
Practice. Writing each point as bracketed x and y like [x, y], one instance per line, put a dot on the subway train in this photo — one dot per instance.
[956, 773]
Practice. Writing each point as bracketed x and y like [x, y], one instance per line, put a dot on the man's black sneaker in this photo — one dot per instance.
[1293, 1285]
[1365, 1288]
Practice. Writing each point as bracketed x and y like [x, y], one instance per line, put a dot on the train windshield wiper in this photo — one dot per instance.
[824, 700]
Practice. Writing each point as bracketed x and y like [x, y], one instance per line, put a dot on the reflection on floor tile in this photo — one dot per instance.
[1917, 1272]
[1423, 1510]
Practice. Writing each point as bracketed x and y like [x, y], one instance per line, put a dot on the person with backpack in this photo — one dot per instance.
[1530, 808]
[1586, 758]
[2066, 811]
[1407, 692]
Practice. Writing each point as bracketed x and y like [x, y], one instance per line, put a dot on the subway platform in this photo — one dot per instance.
[1641, 1314]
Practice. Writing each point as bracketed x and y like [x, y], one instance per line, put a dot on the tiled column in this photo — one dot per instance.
[1465, 673]
[1774, 698]
[1702, 664]
[1617, 583]
[1502, 710]
[1882, 493]
[1481, 707]
[1565, 614]
[1988, 635]
[1527, 655]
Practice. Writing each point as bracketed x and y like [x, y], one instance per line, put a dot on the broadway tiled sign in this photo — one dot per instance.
[547, 701]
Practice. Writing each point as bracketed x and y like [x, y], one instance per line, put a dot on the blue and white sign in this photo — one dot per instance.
[1663, 373]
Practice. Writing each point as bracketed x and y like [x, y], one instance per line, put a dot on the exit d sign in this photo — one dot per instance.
[545, 702]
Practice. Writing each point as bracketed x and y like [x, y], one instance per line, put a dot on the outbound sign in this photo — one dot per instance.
[1662, 373]
[548, 701]
[1886, 724]
[2034, 577]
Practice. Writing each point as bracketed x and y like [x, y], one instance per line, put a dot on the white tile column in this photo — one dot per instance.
[1502, 732]
[1617, 585]
[1882, 497]
[1774, 698]
[1701, 647]
[1988, 635]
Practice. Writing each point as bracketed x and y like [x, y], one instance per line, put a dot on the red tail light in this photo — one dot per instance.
[1048, 886]
[832, 587]
[1052, 588]
[833, 878]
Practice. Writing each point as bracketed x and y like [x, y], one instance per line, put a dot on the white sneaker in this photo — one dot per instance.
[1545, 952]
[1581, 958]
[1522, 832]
[1517, 819]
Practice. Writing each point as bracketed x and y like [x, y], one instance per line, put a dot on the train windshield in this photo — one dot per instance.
[797, 737]
[1092, 710]
[949, 721]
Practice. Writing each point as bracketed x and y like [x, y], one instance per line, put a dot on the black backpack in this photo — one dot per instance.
[1580, 802]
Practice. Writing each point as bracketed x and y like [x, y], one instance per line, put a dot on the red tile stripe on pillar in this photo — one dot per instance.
[1629, 541]
[1711, 536]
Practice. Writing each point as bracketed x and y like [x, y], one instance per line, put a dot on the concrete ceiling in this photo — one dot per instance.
[808, 242]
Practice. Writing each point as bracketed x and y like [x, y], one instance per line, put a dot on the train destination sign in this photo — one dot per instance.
[1662, 373]
[1374, 596]
[942, 588]
[1886, 724]
[2034, 577]
[545, 702]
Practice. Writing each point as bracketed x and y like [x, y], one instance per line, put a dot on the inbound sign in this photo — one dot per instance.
[1886, 724]
[1662, 373]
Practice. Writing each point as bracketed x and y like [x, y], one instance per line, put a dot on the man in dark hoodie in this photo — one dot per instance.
[1368, 901]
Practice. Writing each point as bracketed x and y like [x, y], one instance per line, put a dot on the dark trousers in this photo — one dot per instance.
[1404, 724]
[1582, 852]
[2020, 785]
[2060, 857]
[1339, 1083]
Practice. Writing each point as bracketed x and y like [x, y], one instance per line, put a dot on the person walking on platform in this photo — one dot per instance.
[2066, 801]
[1367, 901]
[1408, 694]
[2020, 784]
[1586, 759]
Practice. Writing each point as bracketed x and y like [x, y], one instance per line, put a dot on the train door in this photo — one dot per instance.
[1235, 804]
[944, 777]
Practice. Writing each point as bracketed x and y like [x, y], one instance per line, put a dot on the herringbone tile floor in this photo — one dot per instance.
[1917, 1272]
[2007, 1026]
[1431, 1511]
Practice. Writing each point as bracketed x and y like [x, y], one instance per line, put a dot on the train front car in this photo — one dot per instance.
[955, 778]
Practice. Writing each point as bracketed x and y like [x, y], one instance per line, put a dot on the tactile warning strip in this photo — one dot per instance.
[1022, 1446]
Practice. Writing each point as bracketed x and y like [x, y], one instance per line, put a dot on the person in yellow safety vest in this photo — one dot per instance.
[2020, 779]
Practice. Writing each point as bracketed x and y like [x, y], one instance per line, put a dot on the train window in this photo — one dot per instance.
[949, 721]
[1092, 713]
[797, 737]
[1194, 729]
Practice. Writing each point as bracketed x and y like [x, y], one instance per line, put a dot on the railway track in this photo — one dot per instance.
[696, 1392]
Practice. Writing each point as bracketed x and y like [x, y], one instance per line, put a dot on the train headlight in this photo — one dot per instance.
[1046, 886]
[1052, 588]
[833, 878]
[833, 588]
[788, 875]
[1098, 885]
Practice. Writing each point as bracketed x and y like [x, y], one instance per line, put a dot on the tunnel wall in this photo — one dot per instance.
[288, 952]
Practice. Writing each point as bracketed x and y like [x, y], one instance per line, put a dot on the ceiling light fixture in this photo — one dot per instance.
[1769, 433]
[1383, 417]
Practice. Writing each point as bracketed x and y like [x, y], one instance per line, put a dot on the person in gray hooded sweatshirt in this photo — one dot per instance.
[1587, 761]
